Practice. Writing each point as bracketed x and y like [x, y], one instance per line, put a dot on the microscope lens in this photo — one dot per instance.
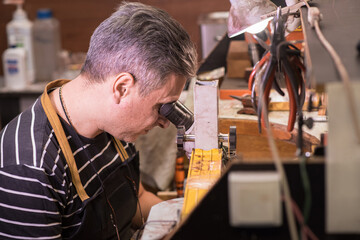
[177, 114]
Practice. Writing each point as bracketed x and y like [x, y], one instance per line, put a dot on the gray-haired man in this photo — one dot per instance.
[68, 168]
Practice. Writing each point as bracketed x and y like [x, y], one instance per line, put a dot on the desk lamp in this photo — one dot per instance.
[252, 16]
[245, 16]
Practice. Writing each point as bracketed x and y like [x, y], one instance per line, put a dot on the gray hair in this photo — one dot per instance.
[143, 41]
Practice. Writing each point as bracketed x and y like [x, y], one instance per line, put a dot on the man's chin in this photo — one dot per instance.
[134, 137]
[130, 139]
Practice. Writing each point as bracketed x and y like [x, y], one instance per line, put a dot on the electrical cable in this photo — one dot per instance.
[314, 18]
[280, 169]
[299, 217]
[136, 194]
[307, 191]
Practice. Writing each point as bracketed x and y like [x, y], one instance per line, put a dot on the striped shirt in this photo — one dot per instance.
[37, 197]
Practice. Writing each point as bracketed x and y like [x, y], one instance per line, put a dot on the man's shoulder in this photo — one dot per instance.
[24, 139]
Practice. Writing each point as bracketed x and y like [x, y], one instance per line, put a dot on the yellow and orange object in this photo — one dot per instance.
[204, 170]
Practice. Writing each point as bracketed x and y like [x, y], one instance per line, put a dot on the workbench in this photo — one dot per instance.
[251, 144]
[210, 220]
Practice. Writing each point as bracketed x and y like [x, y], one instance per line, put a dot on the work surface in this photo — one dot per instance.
[228, 110]
[249, 138]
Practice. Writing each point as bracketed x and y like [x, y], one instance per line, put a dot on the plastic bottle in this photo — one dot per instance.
[20, 33]
[15, 70]
[46, 45]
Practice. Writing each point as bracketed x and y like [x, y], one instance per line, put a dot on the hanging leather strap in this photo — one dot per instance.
[64, 143]
[120, 149]
[61, 137]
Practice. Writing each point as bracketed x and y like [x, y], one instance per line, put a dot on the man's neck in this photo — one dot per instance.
[81, 109]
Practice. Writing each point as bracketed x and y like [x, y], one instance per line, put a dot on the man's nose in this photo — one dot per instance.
[163, 122]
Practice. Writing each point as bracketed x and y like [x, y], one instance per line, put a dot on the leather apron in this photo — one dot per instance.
[119, 189]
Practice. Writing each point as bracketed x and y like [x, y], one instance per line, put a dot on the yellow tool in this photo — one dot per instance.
[204, 170]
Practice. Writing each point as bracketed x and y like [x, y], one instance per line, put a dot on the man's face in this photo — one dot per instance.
[142, 113]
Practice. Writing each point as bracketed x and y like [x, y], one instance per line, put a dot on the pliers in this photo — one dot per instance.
[283, 57]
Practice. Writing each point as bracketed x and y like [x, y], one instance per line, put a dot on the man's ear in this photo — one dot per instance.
[123, 84]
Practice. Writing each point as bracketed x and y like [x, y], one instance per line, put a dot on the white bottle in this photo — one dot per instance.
[15, 70]
[46, 45]
[19, 32]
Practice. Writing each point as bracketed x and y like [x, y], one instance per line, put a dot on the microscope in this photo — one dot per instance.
[207, 149]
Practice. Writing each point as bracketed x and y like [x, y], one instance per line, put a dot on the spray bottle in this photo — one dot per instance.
[20, 33]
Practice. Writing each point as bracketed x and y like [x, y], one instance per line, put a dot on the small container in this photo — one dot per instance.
[15, 70]
[47, 45]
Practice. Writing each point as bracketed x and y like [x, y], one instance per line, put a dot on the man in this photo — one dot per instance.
[63, 172]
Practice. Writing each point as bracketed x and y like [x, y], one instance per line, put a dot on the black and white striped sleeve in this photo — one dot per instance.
[30, 205]
[32, 191]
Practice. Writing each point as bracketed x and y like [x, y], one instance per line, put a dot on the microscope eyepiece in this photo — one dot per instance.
[177, 114]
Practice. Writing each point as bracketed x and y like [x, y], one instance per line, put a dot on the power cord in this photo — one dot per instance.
[284, 182]
[314, 17]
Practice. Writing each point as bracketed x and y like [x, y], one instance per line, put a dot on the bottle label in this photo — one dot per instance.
[18, 38]
[12, 66]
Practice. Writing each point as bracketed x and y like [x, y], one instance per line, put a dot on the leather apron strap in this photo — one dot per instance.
[120, 149]
[64, 143]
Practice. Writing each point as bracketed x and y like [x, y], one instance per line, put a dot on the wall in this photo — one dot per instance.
[79, 18]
